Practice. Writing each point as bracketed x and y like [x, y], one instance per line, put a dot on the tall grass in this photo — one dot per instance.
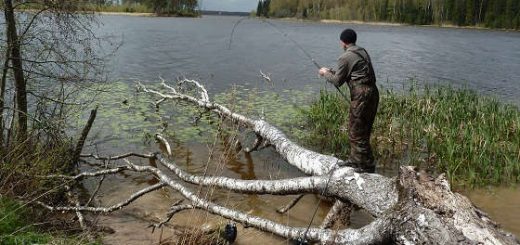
[474, 139]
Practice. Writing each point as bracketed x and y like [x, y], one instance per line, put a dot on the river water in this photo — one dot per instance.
[206, 50]
[487, 61]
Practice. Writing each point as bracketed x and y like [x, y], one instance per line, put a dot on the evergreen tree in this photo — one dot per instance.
[490, 13]
[259, 10]
[265, 8]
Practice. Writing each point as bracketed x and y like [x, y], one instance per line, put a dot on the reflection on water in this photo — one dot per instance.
[153, 207]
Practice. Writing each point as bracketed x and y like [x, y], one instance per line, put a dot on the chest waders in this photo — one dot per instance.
[364, 97]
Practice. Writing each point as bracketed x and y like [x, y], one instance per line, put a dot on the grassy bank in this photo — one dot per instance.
[137, 8]
[17, 227]
[475, 140]
[131, 9]
[123, 8]
[46, 152]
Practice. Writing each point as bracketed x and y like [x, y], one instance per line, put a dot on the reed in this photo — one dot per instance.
[474, 139]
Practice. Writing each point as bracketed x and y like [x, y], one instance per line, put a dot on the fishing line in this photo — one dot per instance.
[315, 63]
[317, 206]
[298, 45]
[294, 42]
[233, 30]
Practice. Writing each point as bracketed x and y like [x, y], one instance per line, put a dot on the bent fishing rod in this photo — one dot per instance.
[304, 241]
[307, 54]
[304, 52]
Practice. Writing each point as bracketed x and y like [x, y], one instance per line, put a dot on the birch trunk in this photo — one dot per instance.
[412, 208]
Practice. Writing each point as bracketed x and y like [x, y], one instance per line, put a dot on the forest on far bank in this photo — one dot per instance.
[482, 13]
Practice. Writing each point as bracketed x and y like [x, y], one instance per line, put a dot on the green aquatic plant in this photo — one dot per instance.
[126, 117]
[474, 139]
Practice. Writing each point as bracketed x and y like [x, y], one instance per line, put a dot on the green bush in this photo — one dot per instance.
[14, 225]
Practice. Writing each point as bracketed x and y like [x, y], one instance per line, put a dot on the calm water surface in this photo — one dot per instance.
[202, 49]
[487, 61]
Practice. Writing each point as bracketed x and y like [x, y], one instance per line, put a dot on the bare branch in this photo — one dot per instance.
[290, 205]
[203, 92]
[33, 18]
[313, 184]
[81, 219]
[176, 208]
[83, 137]
[163, 141]
[94, 193]
[266, 77]
[174, 95]
[118, 157]
[340, 212]
[372, 233]
[112, 208]
[88, 174]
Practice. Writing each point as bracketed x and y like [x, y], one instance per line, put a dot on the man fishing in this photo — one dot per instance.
[355, 69]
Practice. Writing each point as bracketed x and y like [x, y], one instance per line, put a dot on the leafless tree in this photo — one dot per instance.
[50, 53]
[412, 208]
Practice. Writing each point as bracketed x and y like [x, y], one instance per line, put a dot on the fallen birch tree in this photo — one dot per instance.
[412, 208]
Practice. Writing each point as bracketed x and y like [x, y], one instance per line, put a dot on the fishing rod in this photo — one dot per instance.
[309, 56]
[302, 240]
[304, 52]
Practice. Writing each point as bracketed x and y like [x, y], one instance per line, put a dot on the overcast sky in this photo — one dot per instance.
[229, 5]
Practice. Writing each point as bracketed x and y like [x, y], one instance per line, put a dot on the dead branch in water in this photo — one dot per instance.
[413, 208]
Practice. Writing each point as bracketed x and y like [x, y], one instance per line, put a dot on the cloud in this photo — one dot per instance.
[229, 5]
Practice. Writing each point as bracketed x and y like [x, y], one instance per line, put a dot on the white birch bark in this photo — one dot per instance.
[411, 209]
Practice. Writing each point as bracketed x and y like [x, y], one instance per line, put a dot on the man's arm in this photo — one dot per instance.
[339, 77]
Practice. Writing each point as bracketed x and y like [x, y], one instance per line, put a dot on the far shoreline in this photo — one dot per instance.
[128, 14]
[324, 21]
[358, 22]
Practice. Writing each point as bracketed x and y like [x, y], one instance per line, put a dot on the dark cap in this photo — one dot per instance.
[348, 36]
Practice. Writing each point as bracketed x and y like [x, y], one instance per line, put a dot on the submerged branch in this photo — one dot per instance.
[372, 233]
[314, 184]
[118, 157]
[112, 208]
[410, 209]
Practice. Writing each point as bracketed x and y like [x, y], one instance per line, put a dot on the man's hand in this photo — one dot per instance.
[324, 70]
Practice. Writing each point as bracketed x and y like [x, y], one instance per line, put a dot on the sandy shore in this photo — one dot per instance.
[357, 22]
[361, 22]
[127, 14]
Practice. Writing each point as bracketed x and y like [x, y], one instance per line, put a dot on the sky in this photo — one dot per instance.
[229, 5]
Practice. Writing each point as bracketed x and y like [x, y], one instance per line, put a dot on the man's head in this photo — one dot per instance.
[347, 37]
